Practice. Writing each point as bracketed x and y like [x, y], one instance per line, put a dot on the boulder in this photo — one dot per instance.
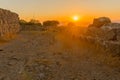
[107, 32]
[99, 33]
[9, 23]
[114, 47]
[118, 35]
[112, 27]
[98, 22]
[107, 35]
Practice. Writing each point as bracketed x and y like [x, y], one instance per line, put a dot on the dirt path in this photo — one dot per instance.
[49, 56]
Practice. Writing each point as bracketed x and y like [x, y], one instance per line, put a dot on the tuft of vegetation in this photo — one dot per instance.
[51, 23]
[33, 24]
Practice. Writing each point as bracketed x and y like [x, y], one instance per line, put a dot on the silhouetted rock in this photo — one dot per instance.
[98, 22]
[9, 23]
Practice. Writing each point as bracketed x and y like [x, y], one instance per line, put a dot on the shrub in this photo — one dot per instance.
[51, 23]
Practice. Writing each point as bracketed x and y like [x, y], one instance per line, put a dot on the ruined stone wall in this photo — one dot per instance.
[107, 35]
[9, 23]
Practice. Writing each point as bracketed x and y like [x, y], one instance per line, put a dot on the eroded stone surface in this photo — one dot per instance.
[105, 33]
[98, 22]
[9, 23]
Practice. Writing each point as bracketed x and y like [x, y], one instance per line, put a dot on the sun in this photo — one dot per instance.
[75, 18]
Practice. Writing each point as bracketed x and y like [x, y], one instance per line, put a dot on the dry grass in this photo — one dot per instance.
[8, 36]
[103, 56]
[69, 38]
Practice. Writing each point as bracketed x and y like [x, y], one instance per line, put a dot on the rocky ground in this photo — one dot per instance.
[52, 55]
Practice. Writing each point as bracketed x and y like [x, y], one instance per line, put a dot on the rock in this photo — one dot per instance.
[108, 32]
[2, 77]
[114, 28]
[38, 70]
[111, 26]
[114, 47]
[98, 22]
[1, 49]
[99, 33]
[9, 23]
[118, 35]
[105, 33]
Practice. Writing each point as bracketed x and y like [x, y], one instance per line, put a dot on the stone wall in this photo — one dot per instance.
[98, 22]
[9, 23]
[107, 35]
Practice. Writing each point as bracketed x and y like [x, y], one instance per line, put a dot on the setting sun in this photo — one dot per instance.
[75, 18]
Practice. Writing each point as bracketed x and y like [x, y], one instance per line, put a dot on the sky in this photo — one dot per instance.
[63, 9]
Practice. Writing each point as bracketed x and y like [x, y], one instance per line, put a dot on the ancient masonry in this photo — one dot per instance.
[9, 23]
[105, 33]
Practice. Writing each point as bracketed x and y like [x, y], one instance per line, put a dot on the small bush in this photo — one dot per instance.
[51, 23]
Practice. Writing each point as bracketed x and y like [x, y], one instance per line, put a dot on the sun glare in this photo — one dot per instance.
[75, 18]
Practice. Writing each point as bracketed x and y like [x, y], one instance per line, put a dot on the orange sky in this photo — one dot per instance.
[63, 9]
